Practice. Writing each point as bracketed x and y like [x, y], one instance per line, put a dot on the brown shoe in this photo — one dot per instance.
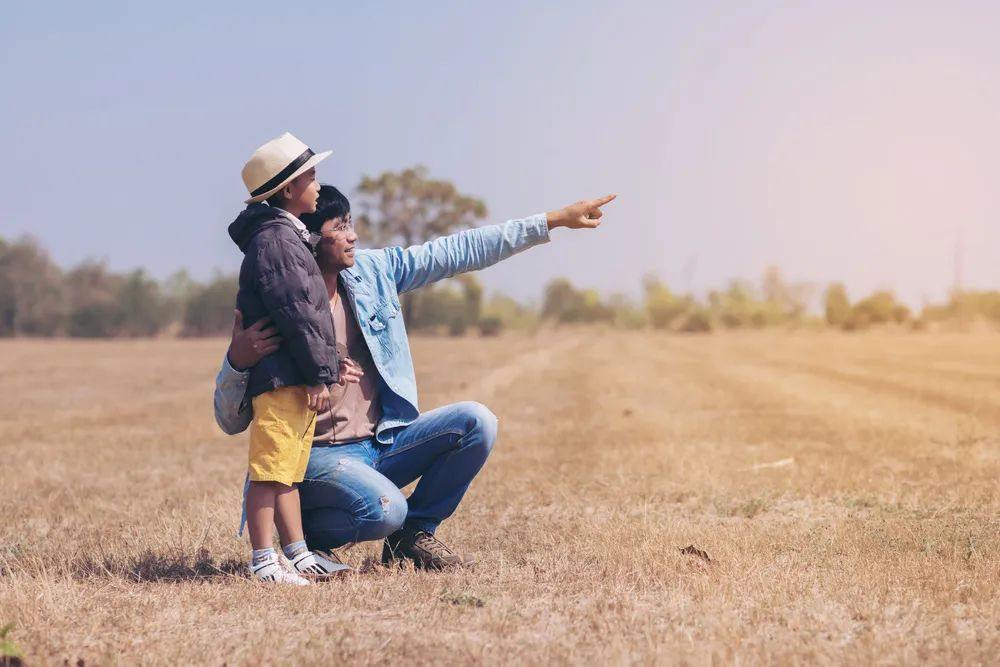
[423, 549]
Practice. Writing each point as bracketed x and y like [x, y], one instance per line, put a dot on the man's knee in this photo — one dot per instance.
[481, 422]
[387, 515]
[367, 516]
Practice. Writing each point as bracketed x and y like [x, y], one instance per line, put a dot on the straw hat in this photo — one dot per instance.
[275, 164]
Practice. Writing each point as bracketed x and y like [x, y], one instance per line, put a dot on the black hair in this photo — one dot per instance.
[332, 204]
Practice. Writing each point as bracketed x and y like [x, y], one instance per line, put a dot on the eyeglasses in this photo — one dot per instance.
[342, 225]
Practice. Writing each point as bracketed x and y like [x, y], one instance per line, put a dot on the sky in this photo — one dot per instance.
[841, 140]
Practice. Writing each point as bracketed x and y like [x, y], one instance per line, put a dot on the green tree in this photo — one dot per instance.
[663, 307]
[454, 305]
[505, 312]
[472, 300]
[562, 302]
[409, 207]
[836, 305]
[877, 308]
[783, 300]
[737, 306]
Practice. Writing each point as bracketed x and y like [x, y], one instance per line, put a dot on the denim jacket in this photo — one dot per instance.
[373, 286]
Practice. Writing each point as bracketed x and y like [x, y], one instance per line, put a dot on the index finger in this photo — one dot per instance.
[269, 332]
[601, 201]
[260, 324]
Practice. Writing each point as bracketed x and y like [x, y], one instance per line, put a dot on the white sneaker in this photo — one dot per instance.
[271, 571]
[312, 564]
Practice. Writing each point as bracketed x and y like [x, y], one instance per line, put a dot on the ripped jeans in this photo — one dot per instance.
[351, 492]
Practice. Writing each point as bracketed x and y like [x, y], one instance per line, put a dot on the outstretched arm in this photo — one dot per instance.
[479, 248]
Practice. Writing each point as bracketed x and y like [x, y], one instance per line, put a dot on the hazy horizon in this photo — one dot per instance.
[839, 141]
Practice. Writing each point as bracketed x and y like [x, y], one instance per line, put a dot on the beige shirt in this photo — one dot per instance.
[356, 409]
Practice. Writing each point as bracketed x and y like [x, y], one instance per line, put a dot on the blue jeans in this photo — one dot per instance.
[351, 492]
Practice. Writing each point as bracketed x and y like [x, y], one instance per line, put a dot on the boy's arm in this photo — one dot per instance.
[283, 277]
[469, 250]
[476, 249]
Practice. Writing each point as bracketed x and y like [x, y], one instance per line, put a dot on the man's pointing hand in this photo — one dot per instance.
[584, 214]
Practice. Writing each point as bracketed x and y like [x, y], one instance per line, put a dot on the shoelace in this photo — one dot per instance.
[432, 545]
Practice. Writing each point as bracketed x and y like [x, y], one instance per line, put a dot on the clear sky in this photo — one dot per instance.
[840, 140]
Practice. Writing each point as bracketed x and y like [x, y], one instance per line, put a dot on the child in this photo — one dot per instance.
[279, 278]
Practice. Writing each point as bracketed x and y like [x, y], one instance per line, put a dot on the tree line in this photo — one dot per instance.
[39, 298]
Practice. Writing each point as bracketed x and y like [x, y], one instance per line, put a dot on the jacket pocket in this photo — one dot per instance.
[383, 315]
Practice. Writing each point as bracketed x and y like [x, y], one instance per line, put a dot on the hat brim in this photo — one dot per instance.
[310, 163]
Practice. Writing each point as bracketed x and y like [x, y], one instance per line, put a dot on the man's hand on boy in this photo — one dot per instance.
[248, 346]
[350, 372]
[319, 397]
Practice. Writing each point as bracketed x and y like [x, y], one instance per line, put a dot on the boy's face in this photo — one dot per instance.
[336, 247]
[302, 193]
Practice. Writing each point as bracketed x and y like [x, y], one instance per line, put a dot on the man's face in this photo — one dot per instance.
[302, 193]
[336, 246]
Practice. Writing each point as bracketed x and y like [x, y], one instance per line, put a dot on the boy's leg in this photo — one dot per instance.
[280, 434]
[289, 520]
[288, 514]
[260, 514]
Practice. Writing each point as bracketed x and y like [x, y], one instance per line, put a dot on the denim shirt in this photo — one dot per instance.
[373, 286]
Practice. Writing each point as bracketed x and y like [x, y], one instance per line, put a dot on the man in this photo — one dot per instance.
[374, 440]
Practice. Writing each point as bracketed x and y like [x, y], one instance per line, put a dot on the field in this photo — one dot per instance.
[845, 489]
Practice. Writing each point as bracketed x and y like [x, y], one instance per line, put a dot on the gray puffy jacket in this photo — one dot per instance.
[279, 278]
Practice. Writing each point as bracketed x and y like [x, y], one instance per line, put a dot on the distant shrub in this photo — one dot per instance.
[858, 321]
[490, 325]
[697, 321]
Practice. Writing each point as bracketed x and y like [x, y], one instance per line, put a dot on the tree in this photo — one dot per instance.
[784, 300]
[737, 306]
[94, 310]
[663, 306]
[209, 311]
[454, 304]
[32, 302]
[142, 305]
[562, 302]
[177, 290]
[877, 308]
[836, 305]
[407, 208]
[504, 312]
[627, 315]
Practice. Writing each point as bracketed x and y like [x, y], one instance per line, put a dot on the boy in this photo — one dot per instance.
[279, 278]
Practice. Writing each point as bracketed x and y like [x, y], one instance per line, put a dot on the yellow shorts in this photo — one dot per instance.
[281, 436]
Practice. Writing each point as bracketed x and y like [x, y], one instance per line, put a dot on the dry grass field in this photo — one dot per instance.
[844, 487]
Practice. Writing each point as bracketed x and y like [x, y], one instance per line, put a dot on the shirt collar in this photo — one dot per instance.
[298, 224]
